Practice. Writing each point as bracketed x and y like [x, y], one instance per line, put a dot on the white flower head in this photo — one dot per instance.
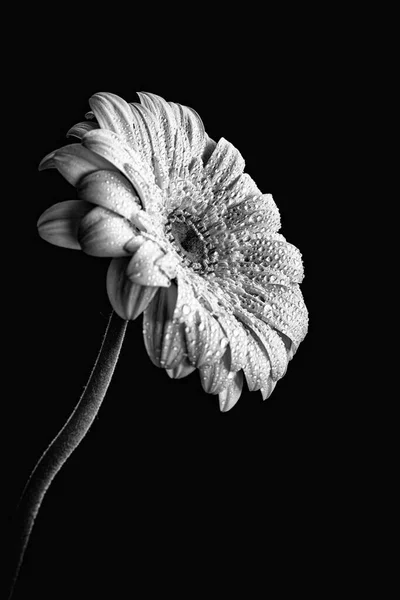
[194, 243]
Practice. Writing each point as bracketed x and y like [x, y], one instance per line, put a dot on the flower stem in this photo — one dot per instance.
[66, 441]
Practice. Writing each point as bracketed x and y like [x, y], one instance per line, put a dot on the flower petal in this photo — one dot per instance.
[167, 120]
[143, 268]
[231, 394]
[268, 388]
[257, 368]
[80, 129]
[180, 134]
[128, 299]
[277, 255]
[182, 370]
[209, 147]
[225, 165]
[205, 338]
[255, 213]
[103, 233]
[150, 143]
[214, 377]
[239, 189]
[163, 336]
[74, 161]
[114, 113]
[237, 337]
[190, 138]
[181, 157]
[108, 145]
[168, 264]
[111, 190]
[288, 313]
[59, 224]
[194, 129]
[270, 342]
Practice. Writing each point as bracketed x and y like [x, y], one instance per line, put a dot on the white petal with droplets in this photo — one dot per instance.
[237, 337]
[257, 368]
[167, 124]
[111, 190]
[109, 146]
[225, 165]
[214, 377]
[270, 341]
[143, 268]
[103, 233]
[232, 392]
[288, 313]
[163, 335]
[205, 338]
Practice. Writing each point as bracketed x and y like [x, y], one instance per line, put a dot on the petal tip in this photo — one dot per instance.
[47, 162]
[231, 394]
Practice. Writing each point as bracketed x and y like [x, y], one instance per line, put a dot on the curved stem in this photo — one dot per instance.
[66, 441]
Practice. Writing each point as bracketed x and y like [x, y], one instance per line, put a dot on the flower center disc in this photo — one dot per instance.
[189, 241]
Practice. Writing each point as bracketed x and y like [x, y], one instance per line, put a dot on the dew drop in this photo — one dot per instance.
[186, 309]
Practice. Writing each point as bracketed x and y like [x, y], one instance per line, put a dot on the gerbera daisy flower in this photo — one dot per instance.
[194, 243]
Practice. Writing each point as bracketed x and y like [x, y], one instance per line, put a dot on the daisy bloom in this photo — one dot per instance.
[194, 243]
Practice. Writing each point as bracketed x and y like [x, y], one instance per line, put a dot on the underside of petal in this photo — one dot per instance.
[163, 336]
[267, 388]
[110, 147]
[231, 394]
[111, 190]
[128, 299]
[103, 233]
[182, 370]
[214, 377]
[60, 223]
[143, 268]
[74, 161]
[80, 129]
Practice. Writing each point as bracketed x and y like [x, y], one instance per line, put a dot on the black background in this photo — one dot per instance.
[162, 472]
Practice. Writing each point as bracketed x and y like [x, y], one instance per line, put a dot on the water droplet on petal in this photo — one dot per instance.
[186, 309]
